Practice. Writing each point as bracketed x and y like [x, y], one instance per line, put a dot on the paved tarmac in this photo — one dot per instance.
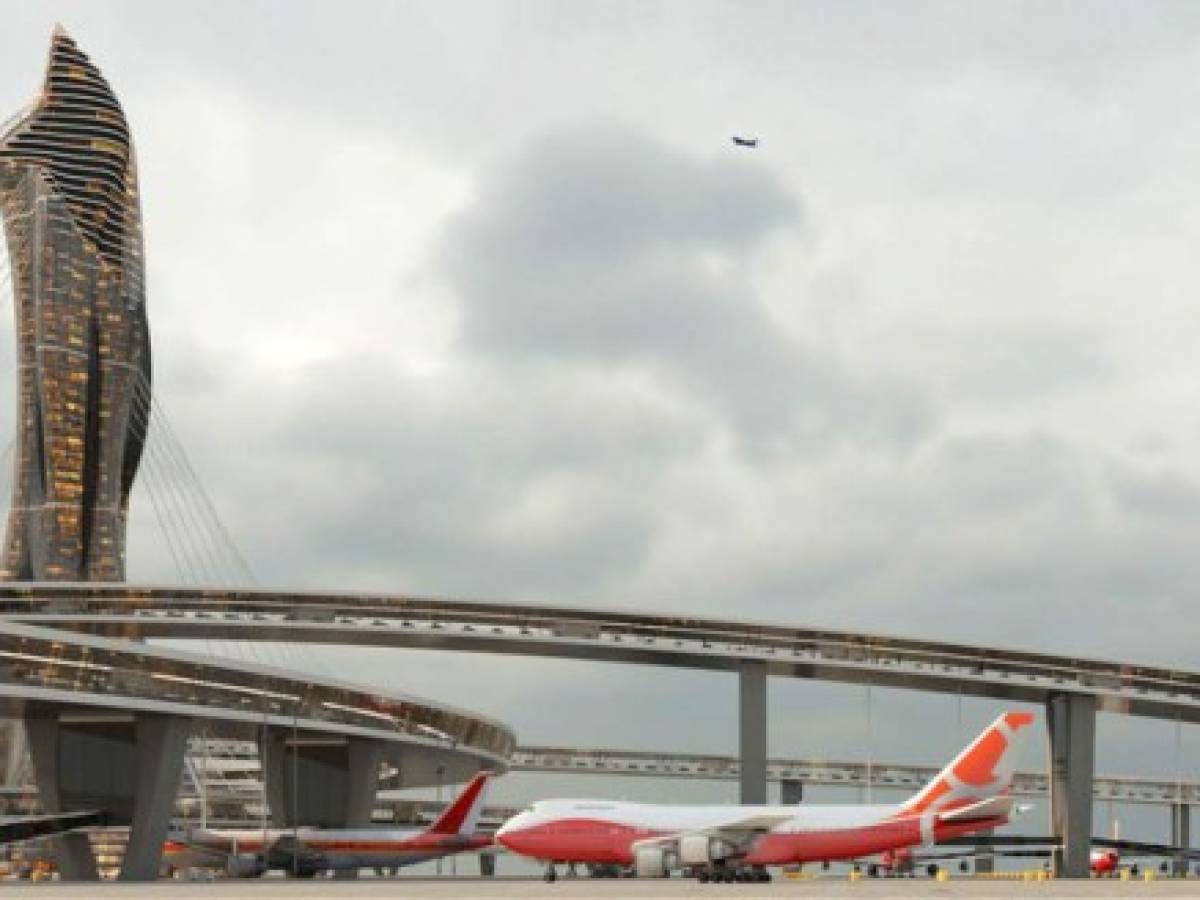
[586, 889]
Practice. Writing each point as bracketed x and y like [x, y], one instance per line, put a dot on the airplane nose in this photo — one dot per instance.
[508, 840]
[508, 835]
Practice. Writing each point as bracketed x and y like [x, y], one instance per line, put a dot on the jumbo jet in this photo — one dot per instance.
[727, 843]
[306, 851]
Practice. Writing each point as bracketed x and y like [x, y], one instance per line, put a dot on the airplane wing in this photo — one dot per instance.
[13, 828]
[753, 824]
[1036, 845]
[1143, 848]
[739, 832]
[997, 840]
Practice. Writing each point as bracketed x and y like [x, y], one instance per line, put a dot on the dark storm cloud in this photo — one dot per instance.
[602, 247]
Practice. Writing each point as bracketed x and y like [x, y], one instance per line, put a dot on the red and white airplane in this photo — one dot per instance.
[1104, 863]
[307, 851]
[738, 842]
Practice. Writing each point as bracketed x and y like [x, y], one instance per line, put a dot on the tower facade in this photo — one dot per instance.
[72, 223]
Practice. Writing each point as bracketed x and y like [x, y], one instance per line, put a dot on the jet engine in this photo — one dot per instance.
[654, 862]
[245, 865]
[702, 849]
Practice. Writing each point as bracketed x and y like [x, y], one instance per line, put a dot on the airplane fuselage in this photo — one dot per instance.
[609, 832]
[320, 847]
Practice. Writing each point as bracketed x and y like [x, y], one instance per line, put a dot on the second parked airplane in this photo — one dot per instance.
[308, 851]
[739, 842]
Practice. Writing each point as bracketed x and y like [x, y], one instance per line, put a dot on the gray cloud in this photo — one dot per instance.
[425, 325]
[602, 247]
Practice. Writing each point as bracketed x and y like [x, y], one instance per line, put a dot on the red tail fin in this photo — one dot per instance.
[461, 816]
[982, 771]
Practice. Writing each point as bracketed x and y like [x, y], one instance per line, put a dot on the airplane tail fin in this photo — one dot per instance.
[981, 772]
[462, 816]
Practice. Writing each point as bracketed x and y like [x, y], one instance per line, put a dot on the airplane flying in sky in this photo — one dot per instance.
[744, 142]
[723, 843]
[307, 851]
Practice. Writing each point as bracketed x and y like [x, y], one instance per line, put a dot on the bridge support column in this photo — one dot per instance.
[363, 759]
[126, 765]
[1181, 836]
[791, 791]
[317, 781]
[1071, 723]
[161, 743]
[752, 730]
[72, 852]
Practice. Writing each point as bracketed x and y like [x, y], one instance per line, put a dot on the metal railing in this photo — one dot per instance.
[605, 635]
[73, 669]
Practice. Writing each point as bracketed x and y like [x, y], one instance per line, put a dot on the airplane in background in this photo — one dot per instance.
[728, 843]
[1104, 862]
[249, 853]
[744, 142]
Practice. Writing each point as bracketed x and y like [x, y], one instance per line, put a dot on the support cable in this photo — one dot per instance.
[204, 501]
[870, 749]
[209, 565]
[201, 532]
[155, 470]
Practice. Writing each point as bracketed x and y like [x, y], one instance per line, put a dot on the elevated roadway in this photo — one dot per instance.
[1070, 689]
[620, 636]
[41, 667]
[108, 723]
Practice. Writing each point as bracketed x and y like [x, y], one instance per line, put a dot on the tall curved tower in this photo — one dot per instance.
[72, 222]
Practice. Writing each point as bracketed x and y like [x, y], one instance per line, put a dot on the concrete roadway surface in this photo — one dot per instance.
[588, 889]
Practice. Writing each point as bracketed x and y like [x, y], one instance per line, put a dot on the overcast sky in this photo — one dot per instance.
[479, 299]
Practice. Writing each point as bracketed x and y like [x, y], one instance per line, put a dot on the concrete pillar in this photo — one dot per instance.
[791, 791]
[334, 782]
[125, 764]
[161, 743]
[985, 859]
[363, 759]
[1071, 723]
[752, 730]
[1181, 835]
[72, 852]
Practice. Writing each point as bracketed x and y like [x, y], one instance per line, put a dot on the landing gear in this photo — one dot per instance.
[550, 875]
[720, 873]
